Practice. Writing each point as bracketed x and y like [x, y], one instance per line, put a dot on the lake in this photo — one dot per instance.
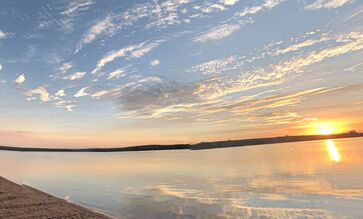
[320, 179]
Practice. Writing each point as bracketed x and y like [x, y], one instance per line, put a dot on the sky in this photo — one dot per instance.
[88, 73]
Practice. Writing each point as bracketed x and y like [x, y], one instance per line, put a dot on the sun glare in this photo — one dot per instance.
[333, 151]
[325, 128]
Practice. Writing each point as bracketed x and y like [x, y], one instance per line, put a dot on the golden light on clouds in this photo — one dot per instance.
[333, 151]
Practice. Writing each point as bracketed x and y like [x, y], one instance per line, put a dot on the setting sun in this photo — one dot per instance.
[325, 128]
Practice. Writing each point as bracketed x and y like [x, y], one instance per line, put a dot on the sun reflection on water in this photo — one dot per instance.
[333, 151]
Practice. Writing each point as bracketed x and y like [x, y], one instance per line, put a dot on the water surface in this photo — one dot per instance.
[321, 179]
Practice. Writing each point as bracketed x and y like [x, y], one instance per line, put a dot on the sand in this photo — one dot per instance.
[21, 201]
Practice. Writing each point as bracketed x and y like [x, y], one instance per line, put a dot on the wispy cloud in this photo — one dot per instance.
[216, 66]
[168, 13]
[64, 104]
[329, 4]
[73, 9]
[267, 4]
[105, 26]
[217, 33]
[225, 30]
[278, 73]
[82, 92]
[99, 94]
[116, 74]
[160, 98]
[65, 67]
[273, 102]
[62, 14]
[298, 46]
[132, 51]
[75, 76]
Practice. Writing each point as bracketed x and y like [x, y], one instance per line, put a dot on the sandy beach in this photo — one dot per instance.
[21, 201]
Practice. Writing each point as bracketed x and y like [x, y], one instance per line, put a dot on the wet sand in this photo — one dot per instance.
[21, 201]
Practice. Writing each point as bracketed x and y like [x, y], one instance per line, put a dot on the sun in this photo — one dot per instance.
[325, 128]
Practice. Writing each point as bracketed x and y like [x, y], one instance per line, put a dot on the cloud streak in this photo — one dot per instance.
[133, 51]
[75, 76]
[105, 26]
[328, 4]
[217, 33]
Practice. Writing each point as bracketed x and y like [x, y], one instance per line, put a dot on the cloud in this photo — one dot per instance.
[267, 4]
[280, 72]
[3, 35]
[217, 33]
[75, 76]
[301, 45]
[157, 15]
[41, 91]
[132, 51]
[62, 14]
[99, 94]
[44, 96]
[155, 97]
[116, 74]
[65, 67]
[155, 62]
[216, 66]
[168, 13]
[146, 48]
[72, 10]
[146, 94]
[64, 104]
[81, 92]
[74, 7]
[105, 26]
[225, 30]
[60, 93]
[1, 67]
[20, 79]
[328, 4]
[230, 2]
[256, 104]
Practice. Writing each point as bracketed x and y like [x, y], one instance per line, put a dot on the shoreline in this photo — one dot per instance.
[197, 146]
[22, 201]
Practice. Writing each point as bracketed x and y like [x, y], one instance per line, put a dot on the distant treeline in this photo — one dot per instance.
[272, 140]
[198, 146]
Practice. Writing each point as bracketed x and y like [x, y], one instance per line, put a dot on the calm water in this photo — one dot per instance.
[322, 179]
